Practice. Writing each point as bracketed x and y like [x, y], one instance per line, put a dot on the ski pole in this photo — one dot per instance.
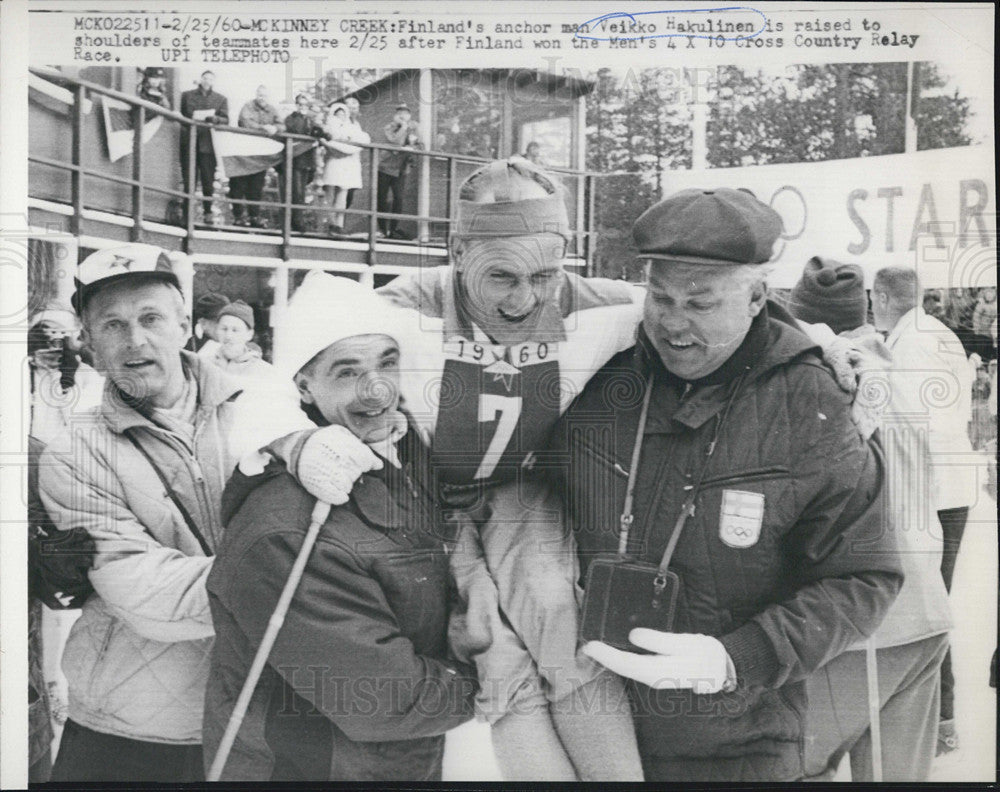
[319, 515]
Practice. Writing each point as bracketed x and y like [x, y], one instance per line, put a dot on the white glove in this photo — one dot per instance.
[330, 461]
[682, 661]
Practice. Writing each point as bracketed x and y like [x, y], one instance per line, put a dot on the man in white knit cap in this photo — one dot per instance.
[369, 617]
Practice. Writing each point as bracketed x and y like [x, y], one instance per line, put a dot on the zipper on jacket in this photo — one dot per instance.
[208, 503]
[195, 470]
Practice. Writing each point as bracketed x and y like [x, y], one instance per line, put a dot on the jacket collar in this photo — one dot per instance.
[373, 493]
[906, 322]
[121, 412]
[769, 345]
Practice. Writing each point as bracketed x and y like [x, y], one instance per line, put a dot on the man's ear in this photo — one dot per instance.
[758, 297]
[85, 338]
[302, 384]
[457, 246]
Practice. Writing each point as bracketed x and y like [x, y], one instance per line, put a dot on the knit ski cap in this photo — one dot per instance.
[511, 197]
[326, 309]
[830, 293]
[240, 310]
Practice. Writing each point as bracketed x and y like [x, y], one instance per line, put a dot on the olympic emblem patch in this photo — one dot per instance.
[741, 518]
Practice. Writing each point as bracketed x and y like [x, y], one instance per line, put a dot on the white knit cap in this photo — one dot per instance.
[326, 309]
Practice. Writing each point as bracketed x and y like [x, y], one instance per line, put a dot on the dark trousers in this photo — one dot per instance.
[250, 188]
[204, 164]
[837, 720]
[300, 180]
[390, 199]
[952, 527]
[87, 755]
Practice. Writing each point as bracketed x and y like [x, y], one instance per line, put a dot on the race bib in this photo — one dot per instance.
[496, 408]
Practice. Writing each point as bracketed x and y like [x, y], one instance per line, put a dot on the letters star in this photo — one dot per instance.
[502, 371]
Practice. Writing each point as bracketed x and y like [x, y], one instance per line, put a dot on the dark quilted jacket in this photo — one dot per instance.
[359, 686]
[820, 575]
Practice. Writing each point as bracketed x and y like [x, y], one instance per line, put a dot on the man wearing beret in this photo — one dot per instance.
[727, 452]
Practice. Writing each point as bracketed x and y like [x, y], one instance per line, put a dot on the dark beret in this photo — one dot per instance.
[721, 226]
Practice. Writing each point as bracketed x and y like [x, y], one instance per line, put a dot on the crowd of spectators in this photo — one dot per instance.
[329, 173]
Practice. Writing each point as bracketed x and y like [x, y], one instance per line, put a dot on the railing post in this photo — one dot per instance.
[139, 120]
[590, 184]
[286, 210]
[373, 206]
[278, 308]
[192, 178]
[450, 198]
[76, 176]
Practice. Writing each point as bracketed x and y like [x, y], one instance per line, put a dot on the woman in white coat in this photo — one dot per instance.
[342, 171]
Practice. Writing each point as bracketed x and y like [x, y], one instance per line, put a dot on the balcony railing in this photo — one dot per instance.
[433, 229]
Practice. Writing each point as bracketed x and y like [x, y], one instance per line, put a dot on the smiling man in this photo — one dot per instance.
[361, 665]
[750, 483]
[143, 474]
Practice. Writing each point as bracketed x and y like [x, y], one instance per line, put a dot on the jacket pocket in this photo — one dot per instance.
[415, 584]
[749, 476]
[602, 458]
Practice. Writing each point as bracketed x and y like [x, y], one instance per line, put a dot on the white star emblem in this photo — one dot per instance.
[502, 371]
[121, 262]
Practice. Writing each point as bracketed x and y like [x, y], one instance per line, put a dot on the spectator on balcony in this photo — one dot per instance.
[481, 147]
[237, 355]
[153, 86]
[533, 153]
[342, 170]
[300, 122]
[393, 167]
[354, 110]
[260, 115]
[202, 104]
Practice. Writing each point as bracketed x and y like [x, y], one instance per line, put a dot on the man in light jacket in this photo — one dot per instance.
[911, 643]
[931, 401]
[143, 474]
